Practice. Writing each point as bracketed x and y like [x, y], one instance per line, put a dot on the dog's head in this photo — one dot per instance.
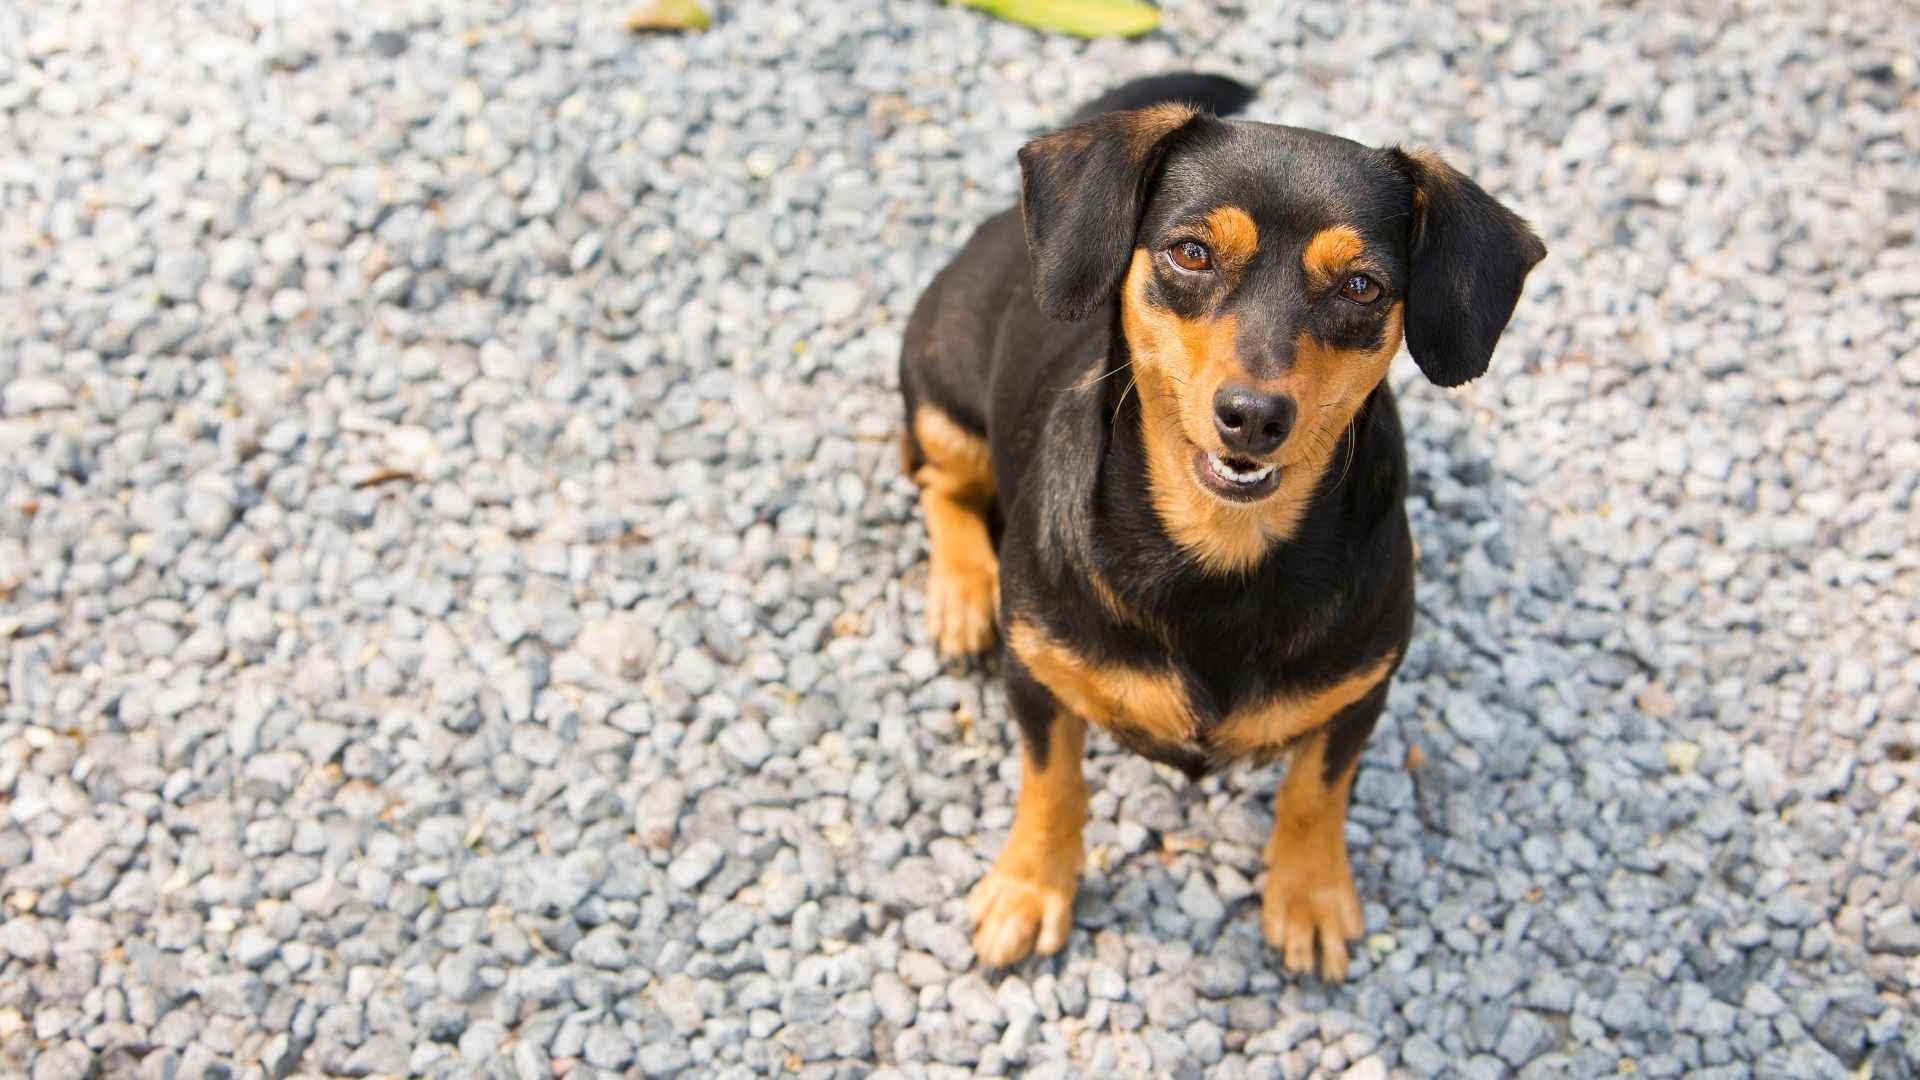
[1265, 275]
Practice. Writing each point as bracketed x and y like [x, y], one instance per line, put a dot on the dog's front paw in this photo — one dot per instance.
[1306, 899]
[1015, 915]
[961, 600]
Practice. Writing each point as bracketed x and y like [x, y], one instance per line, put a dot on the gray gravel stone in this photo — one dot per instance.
[1199, 900]
[254, 948]
[235, 996]
[32, 394]
[1761, 1000]
[1527, 1037]
[1628, 1012]
[747, 743]
[607, 1048]
[1105, 982]
[1371, 1067]
[974, 1002]
[695, 864]
[838, 300]
[664, 1059]
[1424, 1056]
[896, 1003]
[726, 927]
[64, 1061]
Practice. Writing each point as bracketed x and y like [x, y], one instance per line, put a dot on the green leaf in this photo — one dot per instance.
[668, 15]
[1082, 18]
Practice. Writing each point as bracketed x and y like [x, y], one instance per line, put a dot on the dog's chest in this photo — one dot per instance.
[1158, 708]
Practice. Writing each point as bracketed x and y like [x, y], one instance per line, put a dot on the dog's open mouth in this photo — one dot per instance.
[1235, 479]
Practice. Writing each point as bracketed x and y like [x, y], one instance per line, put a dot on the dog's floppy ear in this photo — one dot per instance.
[1470, 257]
[1082, 190]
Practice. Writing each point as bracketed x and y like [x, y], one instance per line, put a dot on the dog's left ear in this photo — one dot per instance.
[1470, 258]
[1082, 191]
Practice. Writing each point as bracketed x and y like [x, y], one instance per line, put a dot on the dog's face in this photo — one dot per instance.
[1265, 277]
[1265, 294]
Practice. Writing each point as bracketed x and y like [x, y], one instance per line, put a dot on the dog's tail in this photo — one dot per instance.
[1216, 94]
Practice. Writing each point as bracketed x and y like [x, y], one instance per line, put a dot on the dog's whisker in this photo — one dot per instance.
[1348, 463]
[1115, 419]
[1097, 378]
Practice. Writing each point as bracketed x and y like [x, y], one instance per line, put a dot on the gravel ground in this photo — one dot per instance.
[460, 613]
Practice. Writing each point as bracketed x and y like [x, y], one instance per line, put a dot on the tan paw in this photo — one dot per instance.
[961, 600]
[1302, 903]
[1015, 916]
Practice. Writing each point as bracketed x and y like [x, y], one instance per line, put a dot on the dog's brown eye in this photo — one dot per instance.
[1360, 289]
[1191, 255]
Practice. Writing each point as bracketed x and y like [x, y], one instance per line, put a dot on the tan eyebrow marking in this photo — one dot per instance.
[1236, 239]
[1329, 252]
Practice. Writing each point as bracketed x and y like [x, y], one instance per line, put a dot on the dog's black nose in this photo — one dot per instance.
[1250, 422]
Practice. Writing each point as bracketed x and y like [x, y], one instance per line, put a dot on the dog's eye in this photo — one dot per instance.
[1191, 255]
[1360, 289]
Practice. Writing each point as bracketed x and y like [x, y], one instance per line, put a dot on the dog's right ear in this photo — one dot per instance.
[1082, 190]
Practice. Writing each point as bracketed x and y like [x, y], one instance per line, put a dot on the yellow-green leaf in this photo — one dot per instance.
[1082, 18]
[668, 15]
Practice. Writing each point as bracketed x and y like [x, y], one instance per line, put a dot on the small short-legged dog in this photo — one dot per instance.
[1162, 382]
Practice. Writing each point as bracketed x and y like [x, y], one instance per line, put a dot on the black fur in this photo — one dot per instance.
[1470, 258]
[1081, 192]
[1081, 189]
[1216, 94]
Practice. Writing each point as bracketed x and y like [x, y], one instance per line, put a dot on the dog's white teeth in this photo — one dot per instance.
[1227, 472]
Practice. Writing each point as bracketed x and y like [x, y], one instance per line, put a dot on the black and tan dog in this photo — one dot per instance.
[1165, 392]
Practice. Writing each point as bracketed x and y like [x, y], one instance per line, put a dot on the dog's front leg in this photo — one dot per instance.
[1310, 889]
[956, 491]
[1025, 903]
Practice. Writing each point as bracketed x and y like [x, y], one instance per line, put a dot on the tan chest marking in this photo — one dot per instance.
[1271, 724]
[1153, 703]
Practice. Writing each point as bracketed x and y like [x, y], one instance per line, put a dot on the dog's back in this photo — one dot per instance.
[1216, 94]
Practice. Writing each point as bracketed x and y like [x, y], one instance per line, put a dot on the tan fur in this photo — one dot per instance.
[1329, 254]
[1268, 725]
[1234, 237]
[1139, 131]
[960, 459]
[1435, 174]
[1309, 892]
[1115, 697]
[1117, 605]
[1025, 903]
[1329, 386]
[963, 580]
[1142, 128]
[1222, 537]
[1180, 364]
